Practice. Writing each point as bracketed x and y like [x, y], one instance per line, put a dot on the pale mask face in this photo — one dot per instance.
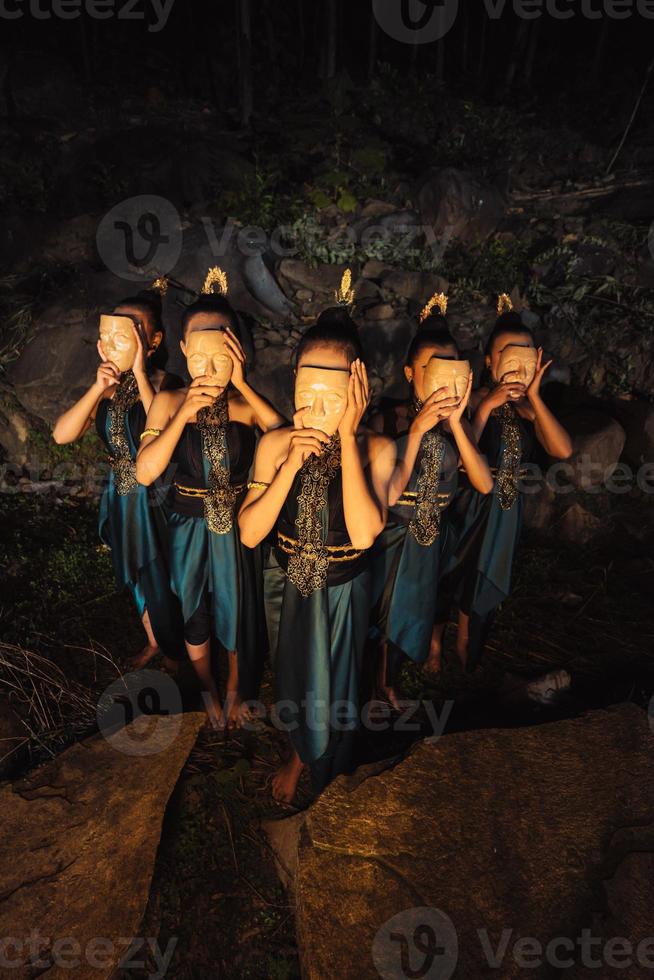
[324, 392]
[517, 364]
[118, 340]
[444, 373]
[206, 354]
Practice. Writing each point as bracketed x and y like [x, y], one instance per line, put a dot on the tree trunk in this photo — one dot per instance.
[517, 50]
[532, 51]
[372, 46]
[332, 29]
[600, 50]
[244, 60]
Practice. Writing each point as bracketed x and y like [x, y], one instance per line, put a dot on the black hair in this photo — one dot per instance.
[212, 303]
[432, 332]
[510, 322]
[333, 328]
[148, 302]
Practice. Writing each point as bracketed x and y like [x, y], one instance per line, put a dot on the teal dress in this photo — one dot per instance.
[405, 573]
[320, 640]
[483, 532]
[217, 579]
[134, 525]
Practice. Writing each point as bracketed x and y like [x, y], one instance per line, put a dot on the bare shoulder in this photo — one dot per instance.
[275, 440]
[240, 409]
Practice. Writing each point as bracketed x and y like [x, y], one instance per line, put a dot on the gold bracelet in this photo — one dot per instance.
[257, 485]
[150, 432]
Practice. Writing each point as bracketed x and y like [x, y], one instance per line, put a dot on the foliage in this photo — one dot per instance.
[20, 298]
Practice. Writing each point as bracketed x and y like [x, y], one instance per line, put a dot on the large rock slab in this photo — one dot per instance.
[458, 205]
[598, 441]
[476, 833]
[82, 834]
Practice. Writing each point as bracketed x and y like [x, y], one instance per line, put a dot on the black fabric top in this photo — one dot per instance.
[188, 456]
[135, 422]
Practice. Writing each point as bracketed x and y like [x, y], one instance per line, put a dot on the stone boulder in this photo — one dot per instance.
[637, 419]
[12, 736]
[83, 832]
[471, 846]
[457, 205]
[598, 441]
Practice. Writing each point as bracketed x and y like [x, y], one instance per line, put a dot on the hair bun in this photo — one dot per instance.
[338, 316]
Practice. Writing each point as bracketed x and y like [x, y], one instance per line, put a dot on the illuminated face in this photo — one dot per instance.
[323, 390]
[444, 373]
[517, 363]
[118, 340]
[206, 354]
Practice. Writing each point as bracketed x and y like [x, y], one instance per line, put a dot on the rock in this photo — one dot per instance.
[493, 829]
[17, 428]
[416, 286]
[84, 833]
[375, 209]
[539, 507]
[374, 269]
[12, 735]
[273, 375]
[383, 311]
[459, 206]
[304, 294]
[72, 241]
[578, 525]
[385, 343]
[598, 441]
[323, 279]
[637, 419]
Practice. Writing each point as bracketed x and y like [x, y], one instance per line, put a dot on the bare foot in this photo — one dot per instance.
[237, 712]
[142, 659]
[215, 717]
[285, 780]
[432, 664]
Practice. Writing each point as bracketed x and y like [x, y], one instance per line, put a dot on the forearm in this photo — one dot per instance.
[363, 516]
[267, 417]
[551, 434]
[472, 460]
[73, 423]
[146, 391]
[258, 517]
[154, 456]
[480, 419]
[404, 468]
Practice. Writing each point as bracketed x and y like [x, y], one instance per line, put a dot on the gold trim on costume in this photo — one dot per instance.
[151, 432]
[344, 552]
[161, 285]
[202, 491]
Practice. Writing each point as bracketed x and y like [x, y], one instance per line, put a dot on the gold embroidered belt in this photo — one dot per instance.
[409, 497]
[522, 473]
[345, 552]
[203, 491]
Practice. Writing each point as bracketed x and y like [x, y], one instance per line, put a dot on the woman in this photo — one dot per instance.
[208, 430]
[510, 417]
[132, 524]
[434, 438]
[321, 486]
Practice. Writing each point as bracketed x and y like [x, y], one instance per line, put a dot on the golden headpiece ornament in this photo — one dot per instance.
[504, 304]
[160, 285]
[345, 294]
[215, 278]
[439, 300]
